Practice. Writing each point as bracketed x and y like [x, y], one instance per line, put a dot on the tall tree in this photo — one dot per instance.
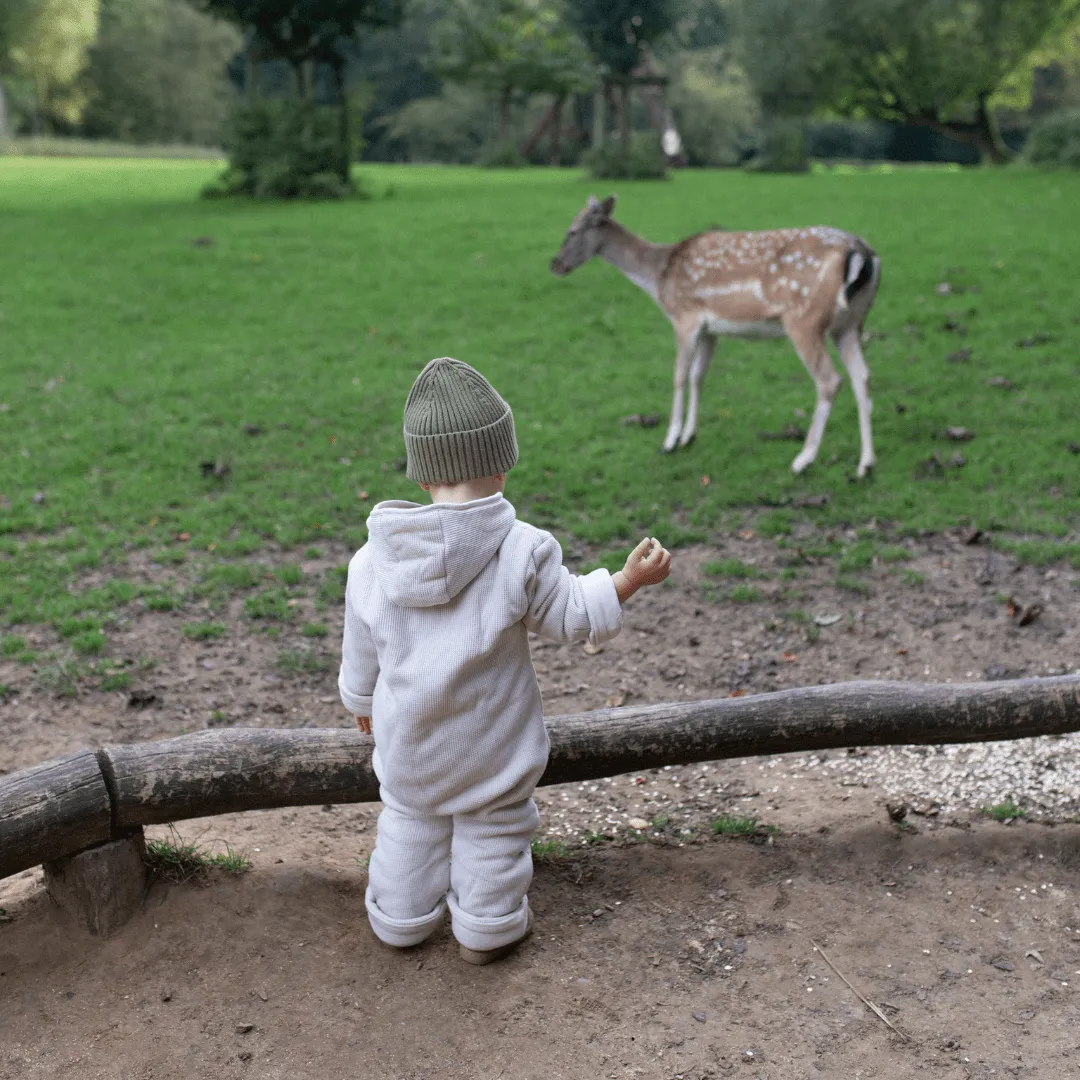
[15, 19]
[157, 73]
[505, 46]
[306, 33]
[933, 63]
[51, 51]
[617, 34]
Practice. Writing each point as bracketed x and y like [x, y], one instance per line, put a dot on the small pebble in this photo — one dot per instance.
[699, 1017]
[243, 1029]
[166, 995]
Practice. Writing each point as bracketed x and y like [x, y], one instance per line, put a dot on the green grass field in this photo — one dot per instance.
[129, 356]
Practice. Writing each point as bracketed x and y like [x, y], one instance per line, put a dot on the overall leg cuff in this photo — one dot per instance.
[476, 932]
[401, 933]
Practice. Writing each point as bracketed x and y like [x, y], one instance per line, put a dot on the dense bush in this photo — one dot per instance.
[643, 159]
[782, 147]
[500, 155]
[451, 126]
[1055, 140]
[282, 148]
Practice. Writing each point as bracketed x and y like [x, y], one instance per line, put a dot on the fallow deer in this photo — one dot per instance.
[803, 284]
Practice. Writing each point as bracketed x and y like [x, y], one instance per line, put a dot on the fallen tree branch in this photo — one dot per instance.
[218, 772]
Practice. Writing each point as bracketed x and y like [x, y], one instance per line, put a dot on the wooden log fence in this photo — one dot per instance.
[66, 806]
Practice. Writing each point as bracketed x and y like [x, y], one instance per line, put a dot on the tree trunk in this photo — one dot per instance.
[344, 132]
[504, 114]
[600, 98]
[624, 117]
[530, 144]
[52, 810]
[251, 72]
[556, 130]
[984, 134]
[5, 116]
[64, 806]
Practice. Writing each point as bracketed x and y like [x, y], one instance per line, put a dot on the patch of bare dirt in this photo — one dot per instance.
[662, 951]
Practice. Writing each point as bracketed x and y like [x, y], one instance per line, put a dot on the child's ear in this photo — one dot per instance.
[425, 487]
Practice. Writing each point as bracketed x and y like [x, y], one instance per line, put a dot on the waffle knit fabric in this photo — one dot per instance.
[456, 426]
[438, 607]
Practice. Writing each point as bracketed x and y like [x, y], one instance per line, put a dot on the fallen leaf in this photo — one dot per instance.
[616, 701]
[705, 480]
[1012, 607]
[812, 502]
[972, 536]
[1034, 954]
[1034, 339]
[737, 693]
[362, 494]
[902, 651]
[827, 620]
[959, 434]
[183, 536]
[638, 823]
[1029, 614]
[789, 658]
[747, 534]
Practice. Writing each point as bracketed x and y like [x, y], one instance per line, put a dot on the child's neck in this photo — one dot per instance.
[465, 491]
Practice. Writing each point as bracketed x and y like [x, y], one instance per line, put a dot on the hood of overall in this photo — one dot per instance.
[424, 556]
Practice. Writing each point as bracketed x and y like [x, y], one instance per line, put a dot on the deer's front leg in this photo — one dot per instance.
[682, 368]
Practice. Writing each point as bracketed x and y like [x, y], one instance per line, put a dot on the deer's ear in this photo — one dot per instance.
[592, 202]
[608, 205]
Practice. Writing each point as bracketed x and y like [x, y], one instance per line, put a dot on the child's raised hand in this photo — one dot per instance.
[648, 564]
[364, 724]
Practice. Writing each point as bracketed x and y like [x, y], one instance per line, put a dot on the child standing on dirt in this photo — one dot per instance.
[435, 660]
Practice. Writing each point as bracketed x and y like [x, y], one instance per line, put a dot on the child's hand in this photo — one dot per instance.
[648, 564]
[364, 724]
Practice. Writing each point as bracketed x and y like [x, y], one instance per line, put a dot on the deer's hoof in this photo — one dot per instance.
[865, 470]
[801, 464]
[686, 440]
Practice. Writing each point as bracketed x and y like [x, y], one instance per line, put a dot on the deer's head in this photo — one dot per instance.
[584, 237]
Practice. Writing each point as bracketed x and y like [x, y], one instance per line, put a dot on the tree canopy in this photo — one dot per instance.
[935, 63]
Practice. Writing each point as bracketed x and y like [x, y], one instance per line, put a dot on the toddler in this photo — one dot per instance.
[435, 663]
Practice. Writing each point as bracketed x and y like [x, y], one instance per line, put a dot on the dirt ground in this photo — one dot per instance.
[661, 950]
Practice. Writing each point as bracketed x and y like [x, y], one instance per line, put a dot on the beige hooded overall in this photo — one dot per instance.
[438, 608]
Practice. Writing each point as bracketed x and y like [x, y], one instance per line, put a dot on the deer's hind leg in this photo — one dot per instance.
[809, 342]
[683, 359]
[704, 344]
[847, 344]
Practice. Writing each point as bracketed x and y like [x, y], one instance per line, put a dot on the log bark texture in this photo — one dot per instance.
[51, 810]
[224, 771]
[218, 772]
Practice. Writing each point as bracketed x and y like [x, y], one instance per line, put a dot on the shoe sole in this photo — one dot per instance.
[480, 957]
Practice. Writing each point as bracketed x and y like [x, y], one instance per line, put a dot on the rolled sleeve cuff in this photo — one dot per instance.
[357, 704]
[602, 605]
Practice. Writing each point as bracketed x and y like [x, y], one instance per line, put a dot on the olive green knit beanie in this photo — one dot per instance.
[456, 426]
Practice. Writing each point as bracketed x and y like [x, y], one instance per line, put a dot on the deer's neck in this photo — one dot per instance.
[643, 263]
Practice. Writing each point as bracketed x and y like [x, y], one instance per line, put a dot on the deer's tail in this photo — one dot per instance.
[861, 269]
